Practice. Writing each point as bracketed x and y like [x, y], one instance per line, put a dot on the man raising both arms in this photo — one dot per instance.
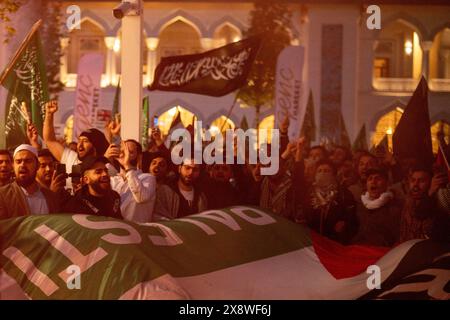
[91, 142]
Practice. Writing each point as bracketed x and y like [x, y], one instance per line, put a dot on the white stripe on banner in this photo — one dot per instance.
[90, 69]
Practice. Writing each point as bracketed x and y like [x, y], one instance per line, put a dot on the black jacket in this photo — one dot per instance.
[85, 203]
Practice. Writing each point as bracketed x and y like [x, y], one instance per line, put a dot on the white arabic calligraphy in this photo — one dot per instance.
[219, 68]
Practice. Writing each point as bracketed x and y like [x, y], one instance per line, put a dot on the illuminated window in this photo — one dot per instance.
[219, 123]
[386, 126]
[381, 68]
[440, 55]
[178, 38]
[265, 135]
[117, 52]
[397, 52]
[172, 115]
[89, 38]
[439, 126]
[226, 34]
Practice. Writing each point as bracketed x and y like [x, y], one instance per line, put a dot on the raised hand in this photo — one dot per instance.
[124, 158]
[51, 107]
[32, 134]
[112, 152]
[58, 182]
[284, 126]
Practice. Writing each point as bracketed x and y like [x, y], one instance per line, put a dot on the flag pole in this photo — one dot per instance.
[19, 51]
[229, 112]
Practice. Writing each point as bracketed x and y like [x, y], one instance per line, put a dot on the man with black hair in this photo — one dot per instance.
[91, 142]
[421, 216]
[378, 212]
[95, 196]
[183, 197]
[6, 169]
[46, 174]
[24, 196]
[364, 163]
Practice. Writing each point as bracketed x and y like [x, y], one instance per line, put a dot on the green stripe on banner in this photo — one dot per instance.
[117, 255]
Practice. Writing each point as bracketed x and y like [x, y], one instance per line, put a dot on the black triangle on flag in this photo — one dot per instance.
[412, 136]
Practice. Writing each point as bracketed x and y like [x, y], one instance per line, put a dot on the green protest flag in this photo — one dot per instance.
[25, 78]
[309, 125]
[146, 120]
[116, 103]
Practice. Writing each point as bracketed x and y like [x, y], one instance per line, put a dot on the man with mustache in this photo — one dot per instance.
[183, 197]
[91, 142]
[95, 196]
[46, 173]
[136, 189]
[6, 169]
[421, 216]
[24, 196]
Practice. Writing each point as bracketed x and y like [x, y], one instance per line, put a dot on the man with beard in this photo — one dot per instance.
[365, 162]
[421, 217]
[220, 188]
[46, 173]
[91, 142]
[6, 169]
[95, 196]
[182, 197]
[136, 189]
[24, 196]
[159, 168]
[378, 213]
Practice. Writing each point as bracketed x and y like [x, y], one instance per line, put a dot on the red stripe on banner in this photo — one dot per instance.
[345, 261]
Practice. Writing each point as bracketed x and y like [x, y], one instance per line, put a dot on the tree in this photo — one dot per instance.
[273, 22]
[8, 7]
[51, 34]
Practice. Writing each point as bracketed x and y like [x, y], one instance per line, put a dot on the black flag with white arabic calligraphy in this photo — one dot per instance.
[214, 73]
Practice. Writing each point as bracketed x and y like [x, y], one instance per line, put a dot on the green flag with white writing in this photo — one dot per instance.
[26, 80]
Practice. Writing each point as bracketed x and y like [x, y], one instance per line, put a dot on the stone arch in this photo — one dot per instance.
[226, 20]
[409, 20]
[183, 16]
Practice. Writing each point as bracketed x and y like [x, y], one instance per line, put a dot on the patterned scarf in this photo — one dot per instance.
[275, 199]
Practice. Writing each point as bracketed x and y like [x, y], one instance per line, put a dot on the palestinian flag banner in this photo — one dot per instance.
[25, 78]
[215, 72]
[233, 253]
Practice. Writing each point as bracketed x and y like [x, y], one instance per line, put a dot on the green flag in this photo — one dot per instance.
[146, 122]
[309, 125]
[361, 140]
[244, 123]
[116, 103]
[26, 80]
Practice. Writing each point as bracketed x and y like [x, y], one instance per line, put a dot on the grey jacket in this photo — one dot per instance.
[168, 202]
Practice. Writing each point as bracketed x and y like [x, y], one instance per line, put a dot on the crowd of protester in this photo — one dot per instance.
[352, 197]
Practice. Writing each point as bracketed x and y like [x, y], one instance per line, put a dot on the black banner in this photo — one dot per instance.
[215, 73]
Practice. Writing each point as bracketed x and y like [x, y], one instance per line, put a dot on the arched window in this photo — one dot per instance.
[117, 51]
[175, 117]
[226, 34]
[265, 135]
[386, 126]
[89, 38]
[219, 123]
[440, 61]
[439, 126]
[397, 52]
[178, 38]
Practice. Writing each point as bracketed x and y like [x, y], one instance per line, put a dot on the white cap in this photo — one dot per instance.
[27, 147]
